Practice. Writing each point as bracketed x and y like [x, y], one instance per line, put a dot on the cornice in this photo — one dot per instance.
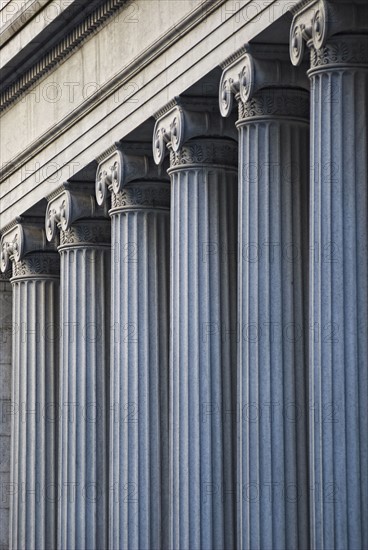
[186, 119]
[148, 55]
[22, 238]
[258, 68]
[315, 22]
[70, 203]
[58, 53]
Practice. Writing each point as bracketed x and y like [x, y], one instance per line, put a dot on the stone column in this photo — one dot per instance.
[5, 402]
[33, 411]
[140, 217]
[338, 366]
[273, 242]
[84, 249]
[203, 171]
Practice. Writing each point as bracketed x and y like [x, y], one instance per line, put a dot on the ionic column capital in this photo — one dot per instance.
[119, 167]
[256, 68]
[185, 119]
[318, 20]
[22, 238]
[69, 204]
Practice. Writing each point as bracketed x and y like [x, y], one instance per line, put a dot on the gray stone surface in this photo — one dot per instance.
[337, 36]
[5, 393]
[273, 197]
[203, 320]
[140, 355]
[34, 396]
[31, 494]
[139, 415]
[237, 464]
[85, 255]
[272, 307]
[339, 296]
[83, 105]
[203, 349]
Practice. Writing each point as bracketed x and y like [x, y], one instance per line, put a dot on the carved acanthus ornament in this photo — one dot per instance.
[70, 204]
[181, 123]
[320, 23]
[216, 152]
[132, 179]
[19, 246]
[263, 83]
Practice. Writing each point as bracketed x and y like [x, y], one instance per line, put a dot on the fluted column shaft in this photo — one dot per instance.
[273, 213]
[139, 366]
[203, 344]
[85, 252]
[33, 503]
[6, 330]
[339, 293]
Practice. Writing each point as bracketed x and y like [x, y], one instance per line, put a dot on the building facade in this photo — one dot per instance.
[184, 287]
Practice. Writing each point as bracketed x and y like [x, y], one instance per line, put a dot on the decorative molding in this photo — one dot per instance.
[279, 102]
[215, 152]
[318, 20]
[68, 44]
[40, 264]
[142, 195]
[188, 119]
[152, 52]
[340, 51]
[85, 233]
[234, 57]
[71, 202]
[299, 6]
[122, 165]
[25, 11]
[110, 151]
[166, 108]
[260, 67]
[21, 239]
